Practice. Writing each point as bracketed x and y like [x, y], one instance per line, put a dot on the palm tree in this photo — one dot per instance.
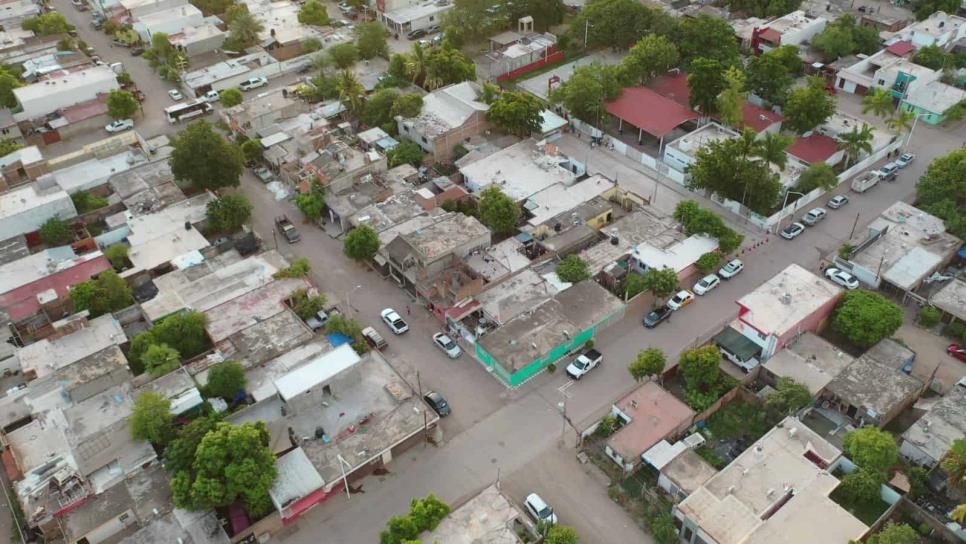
[244, 29]
[879, 102]
[856, 142]
[748, 143]
[416, 63]
[351, 92]
[901, 121]
[771, 148]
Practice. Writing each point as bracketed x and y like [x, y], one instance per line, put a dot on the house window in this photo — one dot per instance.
[123, 517]
[687, 534]
[432, 18]
[326, 390]
[881, 82]
[425, 141]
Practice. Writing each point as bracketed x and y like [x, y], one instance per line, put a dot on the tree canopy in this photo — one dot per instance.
[589, 87]
[700, 366]
[650, 57]
[809, 106]
[205, 158]
[179, 455]
[371, 40]
[407, 106]
[159, 359]
[618, 24]
[895, 533]
[789, 397]
[232, 462]
[498, 211]
[183, 331]
[845, 36]
[56, 232]
[106, 293]
[446, 65]
[954, 464]
[243, 31]
[313, 12]
[730, 102]
[649, 362]
[707, 37]
[151, 418]
[361, 244]
[866, 317]
[764, 8]
[121, 104]
[231, 97]
[517, 113]
[561, 534]
[8, 82]
[406, 152]
[312, 202]
[769, 78]
[871, 448]
[706, 81]
[225, 380]
[424, 515]
[727, 167]
[228, 213]
[343, 55]
[940, 191]
[572, 269]
[378, 109]
[660, 281]
[47, 24]
[818, 174]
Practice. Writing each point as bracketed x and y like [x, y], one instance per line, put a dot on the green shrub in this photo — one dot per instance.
[929, 316]
[956, 330]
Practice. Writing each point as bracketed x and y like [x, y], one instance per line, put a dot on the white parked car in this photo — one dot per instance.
[905, 160]
[731, 269]
[211, 96]
[706, 284]
[792, 231]
[680, 300]
[253, 83]
[539, 510]
[447, 344]
[841, 277]
[175, 95]
[837, 201]
[120, 125]
[814, 216]
[394, 321]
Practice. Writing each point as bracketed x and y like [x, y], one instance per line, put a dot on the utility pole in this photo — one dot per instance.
[854, 224]
[419, 387]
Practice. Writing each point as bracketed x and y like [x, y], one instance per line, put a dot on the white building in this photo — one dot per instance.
[199, 39]
[169, 21]
[415, 16]
[139, 8]
[26, 208]
[793, 29]
[522, 170]
[682, 152]
[54, 93]
[938, 29]
[12, 13]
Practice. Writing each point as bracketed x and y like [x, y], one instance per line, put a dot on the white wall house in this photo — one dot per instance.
[169, 21]
[54, 93]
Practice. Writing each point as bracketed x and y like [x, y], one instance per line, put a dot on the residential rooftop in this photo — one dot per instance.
[395, 210]
[45, 277]
[644, 225]
[796, 20]
[785, 300]
[935, 96]
[178, 387]
[64, 83]
[544, 205]
[499, 260]
[690, 143]
[20, 208]
[261, 378]
[445, 236]
[689, 471]
[520, 170]
[160, 237]
[678, 256]
[654, 415]
[147, 187]
[943, 424]
[96, 171]
[515, 295]
[951, 298]
[877, 385]
[487, 518]
[774, 492]
[47, 356]
[811, 361]
[447, 108]
[296, 479]
[251, 308]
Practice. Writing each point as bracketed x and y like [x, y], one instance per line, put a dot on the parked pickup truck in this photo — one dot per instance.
[584, 363]
[287, 229]
[865, 182]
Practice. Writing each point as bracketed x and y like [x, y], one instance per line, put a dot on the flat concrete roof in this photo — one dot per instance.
[811, 361]
[261, 378]
[645, 225]
[690, 143]
[546, 204]
[689, 471]
[943, 424]
[520, 170]
[499, 260]
[451, 232]
[870, 384]
[266, 339]
[951, 298]
[319, 371]
[515, 295]
[487, 518]
[296, 479]
[678, 256]
[785, 300]
[251, 308]
[775, 492]
[654, 414]
[47, 356]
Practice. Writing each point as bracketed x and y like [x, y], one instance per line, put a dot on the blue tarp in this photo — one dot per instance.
[337, 339]
[962, 252]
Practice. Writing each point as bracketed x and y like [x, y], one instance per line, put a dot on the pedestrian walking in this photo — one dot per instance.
[407, 310]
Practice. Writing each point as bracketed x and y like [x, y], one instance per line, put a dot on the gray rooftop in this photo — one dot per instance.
[644, 225]
[934, 432]
[147, 187]
[267, 339]
[296, 479]
[515, 295]
[689, 471]
[951, 299]
[487, 518]
[869, 384]
[445, 236]
[811, 361]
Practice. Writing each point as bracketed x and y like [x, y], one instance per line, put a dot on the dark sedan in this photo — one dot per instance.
[437, 403]
[658, 315]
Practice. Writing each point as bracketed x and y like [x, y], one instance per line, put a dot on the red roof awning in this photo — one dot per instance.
[758, 118]
[814, 148]
[771, 35]
[649, 111]
[673, 86]
[901, 49]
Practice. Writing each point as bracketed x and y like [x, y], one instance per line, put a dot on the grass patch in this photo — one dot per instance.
[867, 512]
[739, 418]
[711, 457]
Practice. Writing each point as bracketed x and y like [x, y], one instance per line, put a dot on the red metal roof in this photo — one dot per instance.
[649, 111]
[22, 301]
[673, 86]
[758, 118]
[771, 35]
[85, 110]
[901, 49]
[814, 148]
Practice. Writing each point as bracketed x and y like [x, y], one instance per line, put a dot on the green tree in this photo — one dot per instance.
[225, 380]
[633, 285]
[252, 150]
[856, 142]
[769, 78]
[707, 37]
[151, 418]
[378, 108]
[106, 293]
[817, 175]
[901, 121]
[56, 232]
[516, 112]
[498, 211]
[789, 397]
[361, 244]
[871, 448]
[834, 42]
[8, 82]
[924, 8]
[117, 254]
[895, 533]
[231, 97]
[371, 40]
[953, 464]
[649, 362]
[863, 485]
[866, 39]
[121, 104]
[407, 106]
[880, 102]
[940, 191]
[47, 24]
[183, 331]
[708, 262]
[85, 202]
[650, 57]
[866, 317]
[343, 55]
[662, 528]
[545, 13]
[311, 45]
[572, 269]
[561, 534]
[205, 158]
[617, 24]
[232, 462]
[312, 202]
[401, 529]
[661, 282]
[351, 92]
[406, 152]
[446, 65]
[8, 146]
[243, 31]
[397, 66]
[588, 88]
[179, 455]
[313, 12]
[298, 269]
[771, 148]
[725, 167]
[349, 327]
[306, 306]
[228, 213]
[160, 359]
[706, 81]
[700, 367]
[427, 512]
[731, 100]
[808, 107]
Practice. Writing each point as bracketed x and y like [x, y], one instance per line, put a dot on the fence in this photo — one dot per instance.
[553, 55]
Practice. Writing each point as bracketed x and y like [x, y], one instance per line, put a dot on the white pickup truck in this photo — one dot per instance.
[865, 182]
[584, 363]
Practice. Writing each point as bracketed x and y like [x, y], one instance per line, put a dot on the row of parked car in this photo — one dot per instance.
[684, 297]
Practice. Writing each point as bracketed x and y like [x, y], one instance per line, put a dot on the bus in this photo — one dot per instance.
[187, 110]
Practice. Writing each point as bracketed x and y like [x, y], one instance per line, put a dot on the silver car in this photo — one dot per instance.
[445, 343]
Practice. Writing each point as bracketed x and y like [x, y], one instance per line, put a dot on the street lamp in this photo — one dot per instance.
[587, 26]
[784, 202]
[349, 294]
[911, 130]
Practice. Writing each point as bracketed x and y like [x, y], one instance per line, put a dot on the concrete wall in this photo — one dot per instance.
[441, 147]
[111, 528]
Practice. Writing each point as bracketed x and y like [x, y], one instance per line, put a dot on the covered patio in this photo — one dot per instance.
[649, 112]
